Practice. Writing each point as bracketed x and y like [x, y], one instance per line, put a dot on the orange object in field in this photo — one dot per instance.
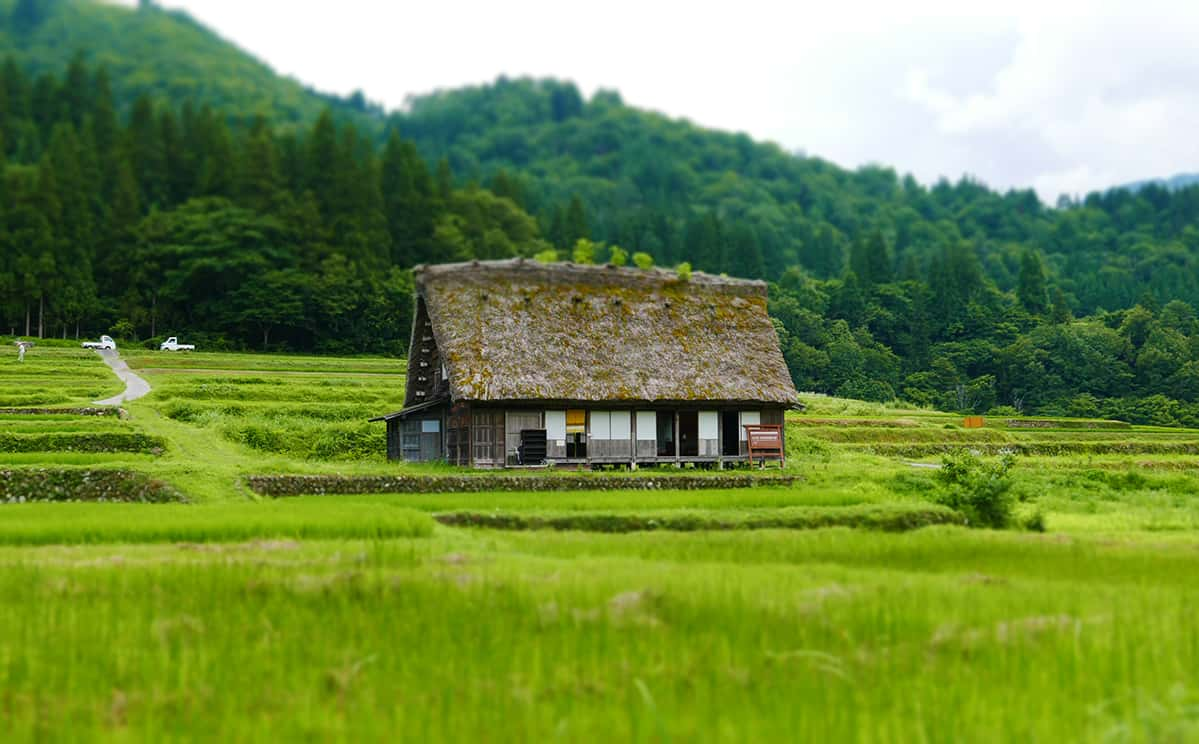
[973, 422]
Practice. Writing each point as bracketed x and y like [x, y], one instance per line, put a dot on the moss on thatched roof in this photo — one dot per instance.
[523, 330]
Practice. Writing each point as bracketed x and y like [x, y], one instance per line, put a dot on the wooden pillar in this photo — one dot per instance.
[783, 438]
[445, 434]
[676, 436]
[719, 440]
[633, 439]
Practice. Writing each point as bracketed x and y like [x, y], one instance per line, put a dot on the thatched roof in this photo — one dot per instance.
[523, 330]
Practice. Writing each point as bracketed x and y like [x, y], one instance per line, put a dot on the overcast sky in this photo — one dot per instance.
[1061, 96]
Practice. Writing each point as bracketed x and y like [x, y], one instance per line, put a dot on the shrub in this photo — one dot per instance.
[980, 490]
[261, 438]
[1035, 521]
[357, 443]
[683, 271]
[643, 260]
[123, 329]
[180, 411]
[861, 388]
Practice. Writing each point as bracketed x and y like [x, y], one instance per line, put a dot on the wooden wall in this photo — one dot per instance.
[486, 436]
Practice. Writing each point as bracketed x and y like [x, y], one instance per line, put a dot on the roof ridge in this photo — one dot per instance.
[585, 271]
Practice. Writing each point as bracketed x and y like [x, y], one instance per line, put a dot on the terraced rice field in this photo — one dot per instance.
[228, 615]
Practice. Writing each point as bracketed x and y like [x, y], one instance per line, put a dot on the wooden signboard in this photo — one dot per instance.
[765, 441]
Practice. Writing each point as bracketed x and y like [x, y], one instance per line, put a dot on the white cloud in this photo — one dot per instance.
[1105, 91]
[1067, 96]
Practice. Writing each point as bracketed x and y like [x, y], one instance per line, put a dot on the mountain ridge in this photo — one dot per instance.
[1172, 183]
[158, 52]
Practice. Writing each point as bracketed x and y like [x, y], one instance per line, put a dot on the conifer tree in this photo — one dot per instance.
[407, 201]
[574, 222]
[217, 172]
[143, 141]
[1031, 287]
[257, 168]
[869, 260]
[322, 162]
[444, 181]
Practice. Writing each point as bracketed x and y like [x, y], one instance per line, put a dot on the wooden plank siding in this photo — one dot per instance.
[488, 435]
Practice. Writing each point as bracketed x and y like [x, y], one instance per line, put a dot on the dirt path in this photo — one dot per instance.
[135, 387]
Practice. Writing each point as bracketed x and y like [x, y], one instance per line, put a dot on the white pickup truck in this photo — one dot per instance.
[172, 344]
[105, 342]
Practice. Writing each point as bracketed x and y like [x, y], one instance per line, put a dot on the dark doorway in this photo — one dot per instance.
[730, 434]
[665, 434]
[576, 446]
[689, 433]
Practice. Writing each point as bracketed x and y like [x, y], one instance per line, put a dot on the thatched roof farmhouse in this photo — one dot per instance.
[520, 362]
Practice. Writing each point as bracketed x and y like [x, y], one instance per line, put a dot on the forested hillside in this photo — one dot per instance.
[162, 53]
[169, 221]
[727, 203]
[178, 211]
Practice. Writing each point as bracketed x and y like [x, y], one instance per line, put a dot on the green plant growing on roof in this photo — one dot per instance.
[618, 256]
[584, 252]
[547, 256]
[684, 271]
[643, 260]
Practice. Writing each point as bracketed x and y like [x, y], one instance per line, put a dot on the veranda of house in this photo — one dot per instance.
[498, 436]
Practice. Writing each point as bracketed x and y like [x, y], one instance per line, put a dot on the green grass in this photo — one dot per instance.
[574, 501]
[42, 524]
[833, 635]
[233, 364]
[359, 618]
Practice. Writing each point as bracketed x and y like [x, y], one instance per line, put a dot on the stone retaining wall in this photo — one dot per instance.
[46, 484]
[105, 441]
[887, 518]
[297, 485]
[90, 411]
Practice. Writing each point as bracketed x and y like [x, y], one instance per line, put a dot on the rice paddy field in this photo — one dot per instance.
[665, 614]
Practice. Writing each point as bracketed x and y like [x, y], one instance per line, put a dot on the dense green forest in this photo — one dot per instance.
[164, 53]
[169, 221]
[136, 203]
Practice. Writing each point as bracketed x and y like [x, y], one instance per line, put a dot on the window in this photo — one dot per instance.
[749, 417]
[601, 425]
[646, 426]
[555, 426]
[410, 440]
[622, 425]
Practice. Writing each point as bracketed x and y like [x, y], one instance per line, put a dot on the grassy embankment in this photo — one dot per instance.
[359, 616]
